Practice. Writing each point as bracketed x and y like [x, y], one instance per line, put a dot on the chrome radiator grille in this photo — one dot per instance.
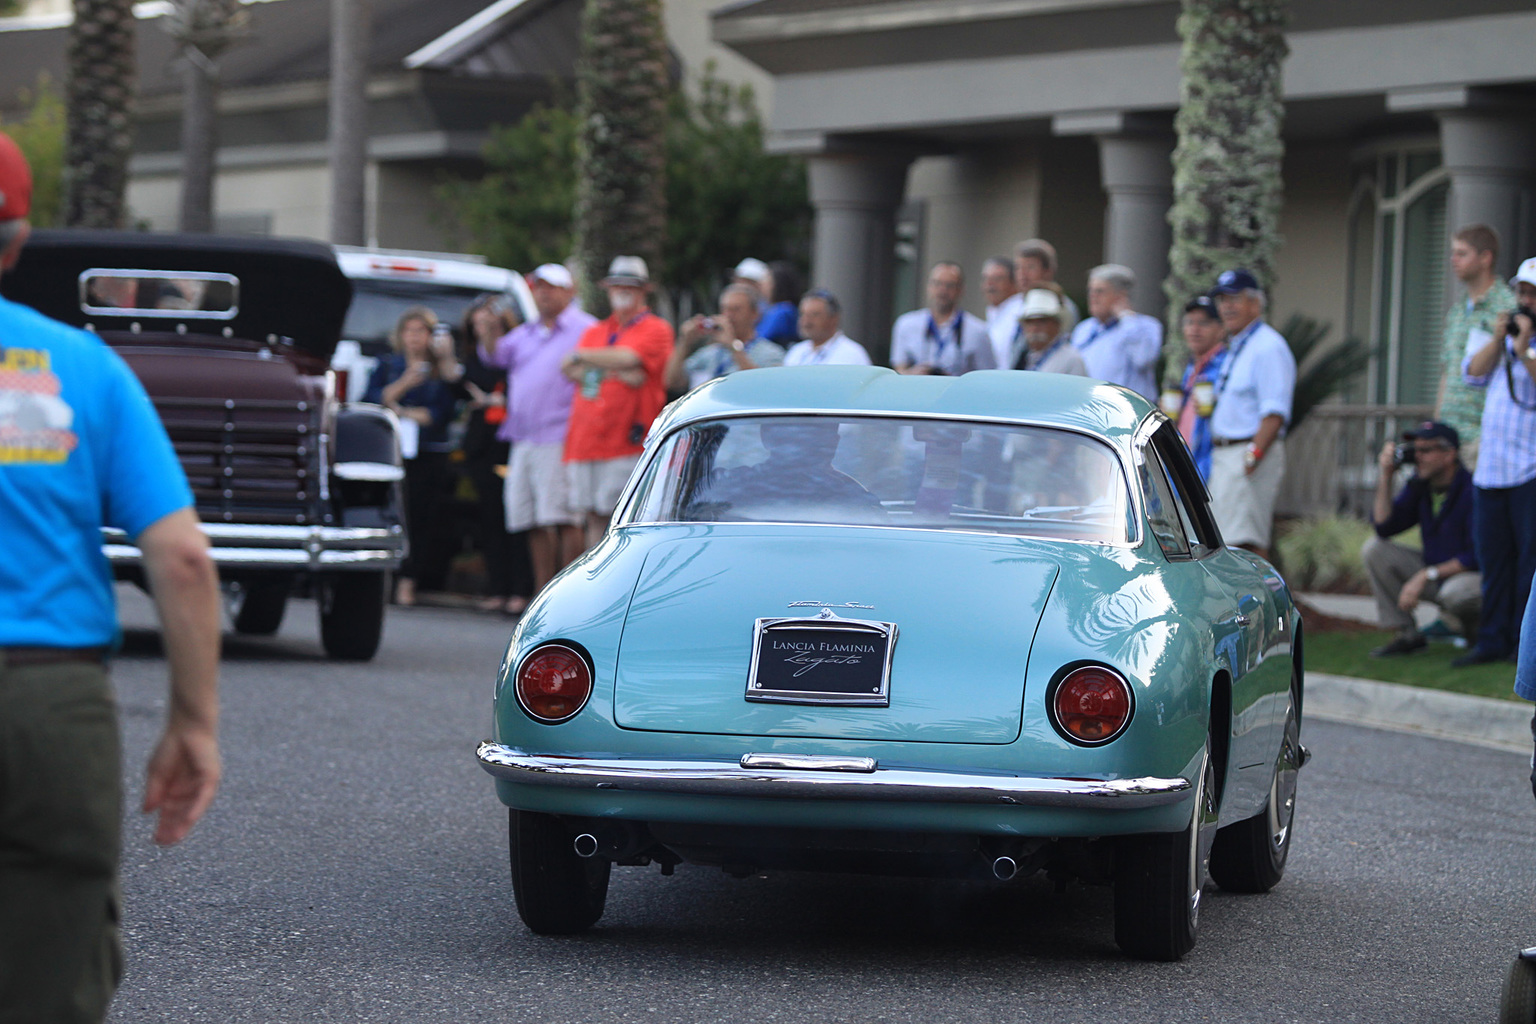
[249, 460]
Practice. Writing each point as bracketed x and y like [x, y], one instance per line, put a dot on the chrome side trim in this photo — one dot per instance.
[727, 778]
[810, 762]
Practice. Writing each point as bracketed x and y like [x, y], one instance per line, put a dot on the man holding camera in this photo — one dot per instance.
[1503, 362]
[1438, 500]
[713, 346]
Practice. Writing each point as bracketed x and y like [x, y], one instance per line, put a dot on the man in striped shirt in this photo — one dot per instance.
[1503, 362]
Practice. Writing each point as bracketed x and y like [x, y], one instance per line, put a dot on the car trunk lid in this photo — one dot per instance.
[965, 608]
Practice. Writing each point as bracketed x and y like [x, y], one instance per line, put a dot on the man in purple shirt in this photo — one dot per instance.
[538, 405]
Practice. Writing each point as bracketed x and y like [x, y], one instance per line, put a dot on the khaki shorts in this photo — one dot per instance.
[595, 486]
[1244, 504]
[536, 487]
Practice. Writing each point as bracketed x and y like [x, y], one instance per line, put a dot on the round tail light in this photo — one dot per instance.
[1092, 705]
[553, 683]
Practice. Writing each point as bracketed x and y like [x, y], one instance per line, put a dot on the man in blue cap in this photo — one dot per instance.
[1253, 405]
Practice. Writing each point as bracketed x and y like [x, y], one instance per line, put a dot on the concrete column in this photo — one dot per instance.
[1137, 173]
[1492, 162]
[853, 249]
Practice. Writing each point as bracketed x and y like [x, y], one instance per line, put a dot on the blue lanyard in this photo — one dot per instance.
[1099, 330]
[1234, 347]
[614, 337]
[939, 339]
[1047, 353]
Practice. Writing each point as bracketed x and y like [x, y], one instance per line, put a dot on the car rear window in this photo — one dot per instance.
[864, 471]
[378, 303]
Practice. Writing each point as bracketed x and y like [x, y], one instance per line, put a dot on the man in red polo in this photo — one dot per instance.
[618, 366]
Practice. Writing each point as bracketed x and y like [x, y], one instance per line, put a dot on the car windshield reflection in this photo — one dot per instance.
[866, 471]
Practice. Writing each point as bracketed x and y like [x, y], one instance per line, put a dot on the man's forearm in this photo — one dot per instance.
[616, 357]
[1381, 506]
[1269, 429]
[185, 588]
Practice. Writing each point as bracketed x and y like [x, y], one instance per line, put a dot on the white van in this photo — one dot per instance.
[386, 282]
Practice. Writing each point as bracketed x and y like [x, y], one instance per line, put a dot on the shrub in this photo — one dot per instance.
[1323, 554]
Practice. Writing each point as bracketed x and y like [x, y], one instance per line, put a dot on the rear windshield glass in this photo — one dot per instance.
[926, 474]
[377, 305]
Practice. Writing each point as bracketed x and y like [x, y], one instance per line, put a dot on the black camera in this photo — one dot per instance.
[1402, 454]
[1511, 327]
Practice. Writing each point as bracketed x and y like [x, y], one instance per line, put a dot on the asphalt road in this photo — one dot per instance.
[354, 869]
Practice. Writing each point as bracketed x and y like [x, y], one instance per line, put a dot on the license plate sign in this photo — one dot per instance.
[822, 661]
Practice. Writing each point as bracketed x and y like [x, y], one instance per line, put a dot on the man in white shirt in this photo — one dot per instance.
[1118, 345]
[1034, 265]
[1253, 406]
[943, 339]
[824, 344]
[1004, 302]
[1043, 345]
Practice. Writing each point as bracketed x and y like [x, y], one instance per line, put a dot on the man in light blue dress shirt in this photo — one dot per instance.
[942, 339]
[1253, 406]
[1118, 345]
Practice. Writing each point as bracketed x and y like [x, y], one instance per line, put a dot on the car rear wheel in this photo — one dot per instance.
[1160, 879]
[557, 892]
[352, 614]
[262, 604]
[1517, 1005]
[1250, 855]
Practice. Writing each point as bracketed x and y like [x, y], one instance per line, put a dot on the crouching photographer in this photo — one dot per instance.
[1438, 500]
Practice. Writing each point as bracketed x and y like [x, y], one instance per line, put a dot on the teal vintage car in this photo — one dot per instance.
[844, 619]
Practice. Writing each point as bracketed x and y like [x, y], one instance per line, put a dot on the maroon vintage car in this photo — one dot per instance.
[232, 337]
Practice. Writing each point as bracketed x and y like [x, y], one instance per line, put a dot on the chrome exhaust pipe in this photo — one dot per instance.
[585, 845]
[1004, 868]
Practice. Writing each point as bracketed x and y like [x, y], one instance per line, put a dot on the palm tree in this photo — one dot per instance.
[622, 90]
[99, 120]
[1226, 165]
[351, 32]
[203, 29]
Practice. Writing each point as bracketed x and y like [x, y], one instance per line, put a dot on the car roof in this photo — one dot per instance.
[1052, 399]
[291, 288]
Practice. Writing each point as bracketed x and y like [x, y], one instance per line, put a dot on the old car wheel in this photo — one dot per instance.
[352, 614]
[1250, 856]
[261, 607]
[557, 892]
[1160, 878]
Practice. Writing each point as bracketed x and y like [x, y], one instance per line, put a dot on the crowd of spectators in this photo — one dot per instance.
[558, 408]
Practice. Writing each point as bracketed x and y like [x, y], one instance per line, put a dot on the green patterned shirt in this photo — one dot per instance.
[1462, 406]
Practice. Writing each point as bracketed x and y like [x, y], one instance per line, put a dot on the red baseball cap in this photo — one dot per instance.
[15, 181]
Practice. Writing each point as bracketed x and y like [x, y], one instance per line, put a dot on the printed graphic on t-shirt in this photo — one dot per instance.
[34, 421]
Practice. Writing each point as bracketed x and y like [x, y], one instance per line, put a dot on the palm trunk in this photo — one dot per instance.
[205, 29]
[1227, 188]
[622, 89]
[351, 27]
[99, 122]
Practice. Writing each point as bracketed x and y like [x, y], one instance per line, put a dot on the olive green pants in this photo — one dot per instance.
[60, 830]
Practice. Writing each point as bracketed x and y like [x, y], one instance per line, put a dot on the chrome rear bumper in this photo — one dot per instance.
[299, 548]
[841, 779]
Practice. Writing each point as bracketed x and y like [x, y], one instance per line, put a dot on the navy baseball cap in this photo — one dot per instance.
[1433, 430]
[1231, 282]
[1203, 304]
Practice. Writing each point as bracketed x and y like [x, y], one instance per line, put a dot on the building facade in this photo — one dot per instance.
[951, 131]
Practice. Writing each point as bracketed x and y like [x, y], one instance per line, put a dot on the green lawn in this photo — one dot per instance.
[1349, 654]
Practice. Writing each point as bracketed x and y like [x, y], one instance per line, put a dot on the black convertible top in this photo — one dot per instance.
[291, 288]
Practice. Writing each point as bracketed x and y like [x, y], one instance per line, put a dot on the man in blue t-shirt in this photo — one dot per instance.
[81, 448]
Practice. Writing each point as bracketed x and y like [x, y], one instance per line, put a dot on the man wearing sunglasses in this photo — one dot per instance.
[1438, 500]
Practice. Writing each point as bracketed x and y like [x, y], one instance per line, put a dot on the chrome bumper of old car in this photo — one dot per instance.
[813, 778]
[299, 548]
